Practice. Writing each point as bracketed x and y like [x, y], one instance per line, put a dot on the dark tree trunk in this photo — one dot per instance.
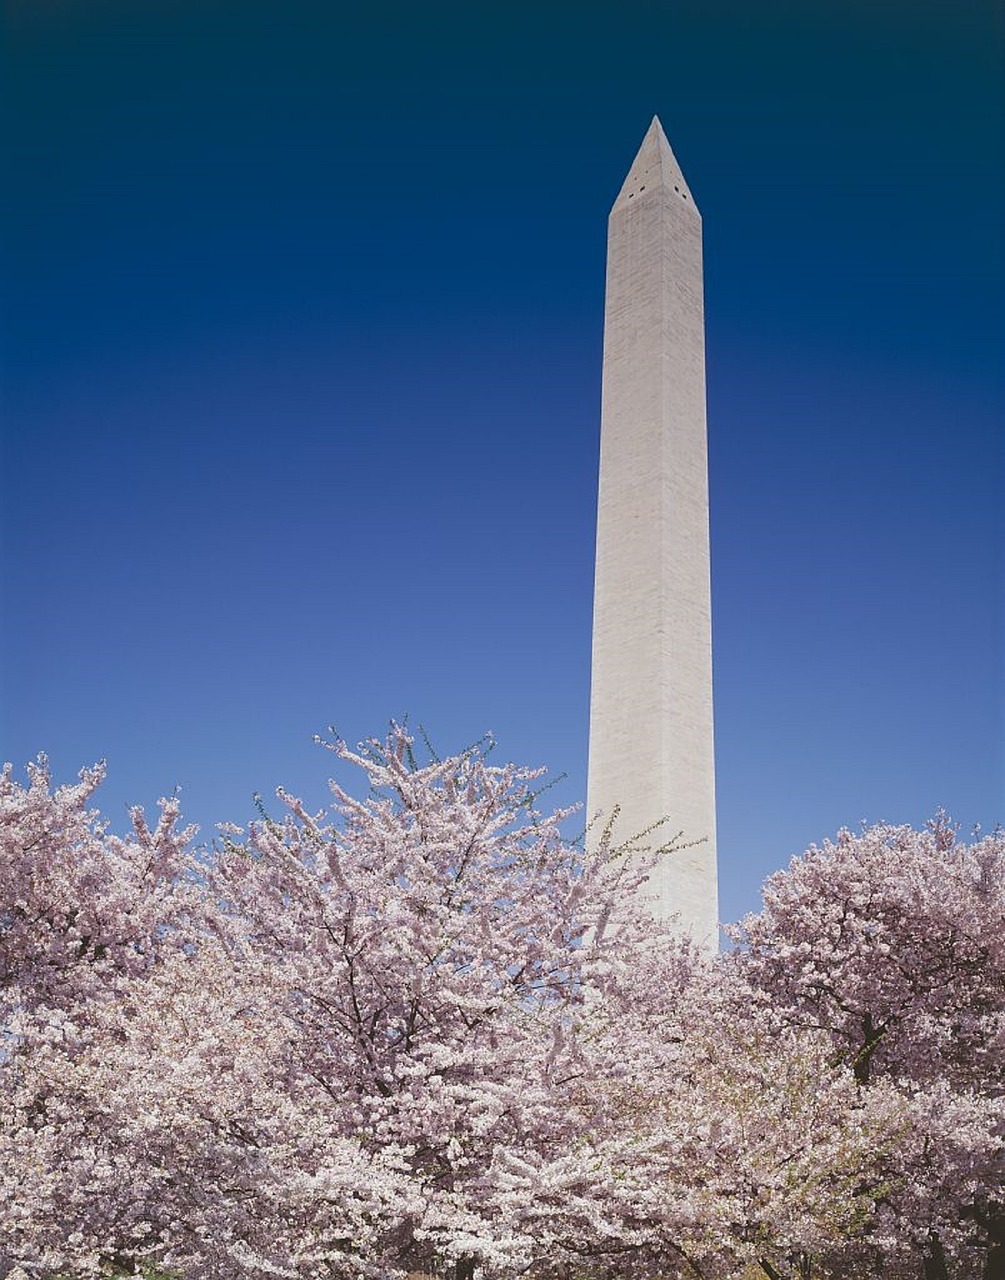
[935, 1259]
[990, 1217]
[994, 1263]
[863, 1060]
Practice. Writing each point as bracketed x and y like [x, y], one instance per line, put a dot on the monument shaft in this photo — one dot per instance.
[651, 737]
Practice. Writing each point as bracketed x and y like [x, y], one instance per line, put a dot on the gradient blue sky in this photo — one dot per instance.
[301, 380]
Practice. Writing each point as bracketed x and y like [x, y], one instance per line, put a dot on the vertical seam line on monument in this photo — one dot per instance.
[663, 450]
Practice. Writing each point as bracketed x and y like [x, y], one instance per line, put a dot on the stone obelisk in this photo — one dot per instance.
[651, 744]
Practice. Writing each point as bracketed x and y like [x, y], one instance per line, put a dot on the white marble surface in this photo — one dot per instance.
[651, 736]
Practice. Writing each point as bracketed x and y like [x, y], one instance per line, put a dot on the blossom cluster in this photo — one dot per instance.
[424, 1035]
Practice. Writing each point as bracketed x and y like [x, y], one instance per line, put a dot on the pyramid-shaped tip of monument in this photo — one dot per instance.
[654, 168]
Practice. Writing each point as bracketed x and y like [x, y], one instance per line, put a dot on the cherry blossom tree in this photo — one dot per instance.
[433, 953]
[146, 1112]
[892, 943]
[86, 921]
[303, 1057]
[424, 1034]
[82, 911]
[716, 1142]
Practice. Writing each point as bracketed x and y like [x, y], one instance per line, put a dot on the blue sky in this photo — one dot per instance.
[301, 381]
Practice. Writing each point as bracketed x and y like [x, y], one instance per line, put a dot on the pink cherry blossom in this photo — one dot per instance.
[424, 1034]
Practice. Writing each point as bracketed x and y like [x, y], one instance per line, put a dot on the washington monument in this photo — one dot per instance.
[651, 746]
